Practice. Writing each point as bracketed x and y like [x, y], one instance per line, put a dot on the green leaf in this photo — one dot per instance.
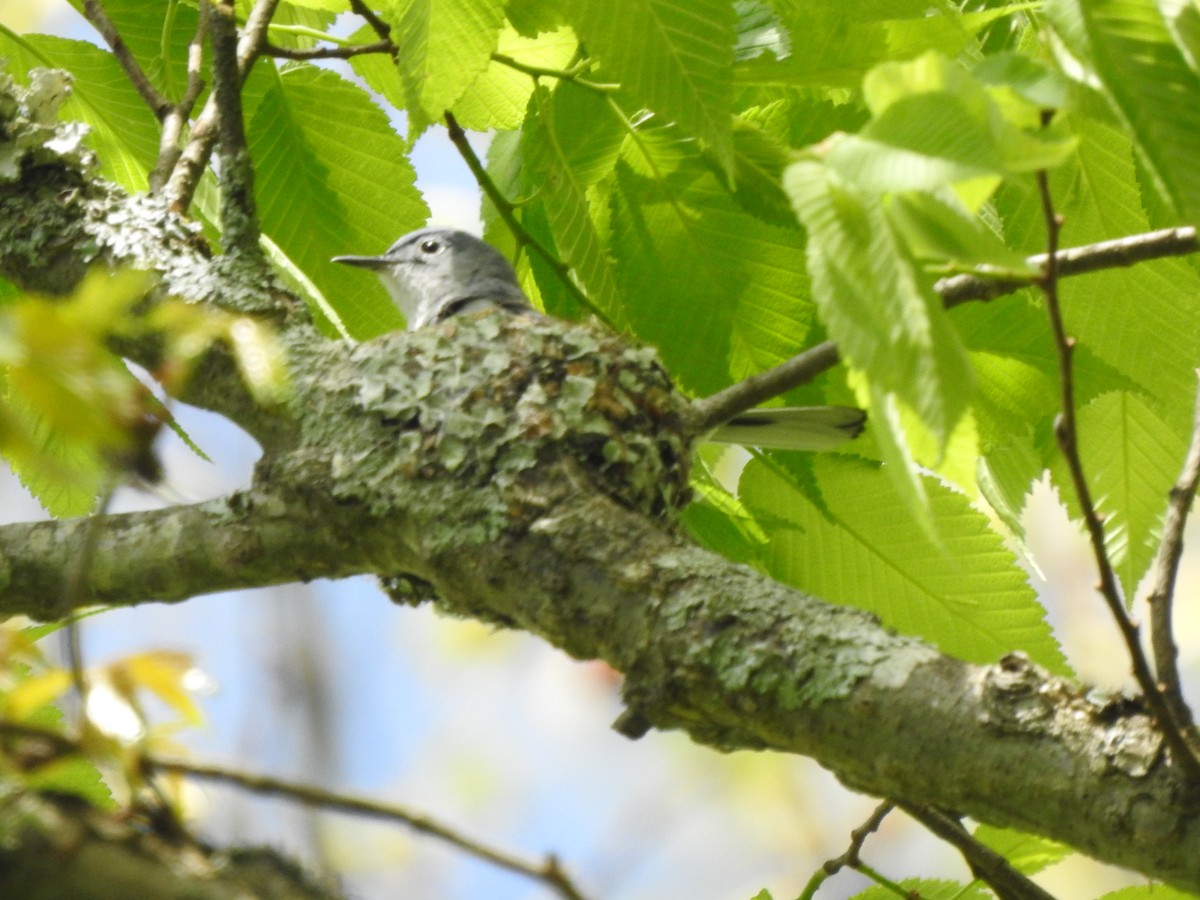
[1027, 853]
[968, 596]
[573, 138]
[673, 56]
[1148, 892]
[1149, 81]
[927, 889]
[881, 310]
[499, 96]
[831, 43]
[442, 46]
[325, 191]
[158, 35]
[721, 293]
[1131, 458]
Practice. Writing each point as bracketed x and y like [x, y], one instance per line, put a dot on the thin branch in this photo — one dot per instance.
[800, 369]
[190, 165]
[346, 52]
[358, 7]
[986, 864]
[1125, 251]
[1065, 432]
[549, 872]
[159, 105]
[239, 221]
[1165, 570]
[506, 208]
[849, 859]
[176, 118]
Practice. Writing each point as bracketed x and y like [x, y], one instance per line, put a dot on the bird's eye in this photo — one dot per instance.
[430, 246]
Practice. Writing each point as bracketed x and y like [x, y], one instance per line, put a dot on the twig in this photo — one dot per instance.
[358, 7]
[1162, 590]
[239, 222]
[800, 369]
[505, 208]
[94, 12]
[329, 52]
[188, 168]
[548, 872]
[1065, 432]
[849, 859]
[177, 115]
[986, 864]
[1125, 251]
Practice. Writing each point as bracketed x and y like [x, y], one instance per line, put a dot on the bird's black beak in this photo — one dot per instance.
[363, 262]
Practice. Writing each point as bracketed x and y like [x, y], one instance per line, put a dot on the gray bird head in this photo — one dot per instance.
[436, 273]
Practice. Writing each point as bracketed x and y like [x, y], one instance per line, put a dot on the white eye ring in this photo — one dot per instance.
[430, 246]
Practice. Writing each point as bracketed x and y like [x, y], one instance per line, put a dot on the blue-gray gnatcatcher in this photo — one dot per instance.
[436, 273]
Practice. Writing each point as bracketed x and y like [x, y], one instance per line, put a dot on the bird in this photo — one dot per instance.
[434, 274]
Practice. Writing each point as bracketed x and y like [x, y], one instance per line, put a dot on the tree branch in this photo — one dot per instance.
[239, 220]
[1066, 433]
[1162, 588]
[1118, 253]
[329, 52]
[849, 859]
[985, 863]
[177, 116]
[94, 12]
[750, 392]
[549, 872]
[359, 7]
[521, 521]
[194, 157]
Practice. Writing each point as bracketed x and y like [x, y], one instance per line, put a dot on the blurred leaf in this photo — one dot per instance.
[35, 692]
[163, 673]
[927, 889]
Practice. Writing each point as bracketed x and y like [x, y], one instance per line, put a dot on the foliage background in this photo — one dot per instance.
[496, 732]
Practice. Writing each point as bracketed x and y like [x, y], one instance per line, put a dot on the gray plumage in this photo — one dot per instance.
[436, 273]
